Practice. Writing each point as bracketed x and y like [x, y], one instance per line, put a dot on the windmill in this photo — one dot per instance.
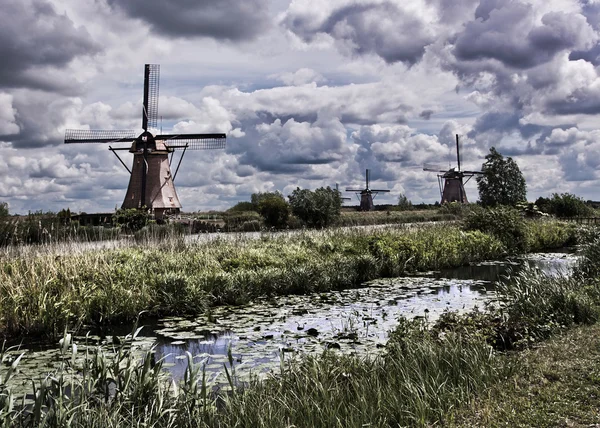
[453, 189]
[366, 195]
[151, 184]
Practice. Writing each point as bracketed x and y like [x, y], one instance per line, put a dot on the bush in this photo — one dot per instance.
[320, 208]
[274, 210]
[241, 207]
[564, 205]
[504, 223]
[235, 221]
[131, 219]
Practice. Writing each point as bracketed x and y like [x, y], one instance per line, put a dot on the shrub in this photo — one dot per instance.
[235, 220]
[241, 207]
[131, 219]
[564, 205]
[320, 208]
[274, 210]
[506, 224]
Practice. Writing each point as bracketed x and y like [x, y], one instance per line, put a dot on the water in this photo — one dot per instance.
[263, 333]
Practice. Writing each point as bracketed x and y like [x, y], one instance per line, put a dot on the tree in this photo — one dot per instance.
[3, 209]
[502, 182]
[404, 204]
[274, 210]
[317, 209]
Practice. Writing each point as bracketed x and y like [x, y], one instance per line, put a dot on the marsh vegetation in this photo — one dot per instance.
[423, 375]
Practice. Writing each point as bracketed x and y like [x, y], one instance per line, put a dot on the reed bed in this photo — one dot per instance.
[49, 291]
[423, 376]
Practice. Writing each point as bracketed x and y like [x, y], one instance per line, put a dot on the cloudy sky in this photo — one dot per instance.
[310, 93]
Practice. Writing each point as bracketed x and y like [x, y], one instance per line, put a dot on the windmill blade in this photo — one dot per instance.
[150, 109]
[98, 136]
[354, 190]
[194, 141]
[433, 167]
[473, 172]
[380, 191]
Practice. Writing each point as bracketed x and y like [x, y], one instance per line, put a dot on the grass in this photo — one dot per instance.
[557, 384]
[48, 292]
[450, 374]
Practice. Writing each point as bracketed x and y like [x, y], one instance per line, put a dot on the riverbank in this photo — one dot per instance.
[426, 376]
[49, 293]
[557, 384]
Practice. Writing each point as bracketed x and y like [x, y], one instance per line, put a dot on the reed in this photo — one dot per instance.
[47, 291]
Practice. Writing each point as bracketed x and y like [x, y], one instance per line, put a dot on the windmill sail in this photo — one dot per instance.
[98, 136]
[150, 109]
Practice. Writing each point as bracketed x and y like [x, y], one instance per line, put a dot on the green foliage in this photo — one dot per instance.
[4, 209]
[507, 224]
[564, 205]
[274, 210]
[257, 198]
[241, 207]
[404, 204]
[131, 219]
[320, 208]
[243, 221]
[502, 182]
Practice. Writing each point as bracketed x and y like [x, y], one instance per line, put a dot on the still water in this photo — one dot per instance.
[262, 334]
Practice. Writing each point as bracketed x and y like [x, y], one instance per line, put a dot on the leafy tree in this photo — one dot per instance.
[564, 205]
[317, 209]
[3, 209]
[404, 204]
[274, 210]
[502, 182]
[257, 197]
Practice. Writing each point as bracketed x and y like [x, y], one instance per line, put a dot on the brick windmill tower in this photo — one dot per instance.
[151, 183]
[451, 181]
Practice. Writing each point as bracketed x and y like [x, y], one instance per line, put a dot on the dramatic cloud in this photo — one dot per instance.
[35, 40]
[384, 28]
[223, 19]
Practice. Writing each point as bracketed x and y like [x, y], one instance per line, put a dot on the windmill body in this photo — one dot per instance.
[159, 186]
[452, 181]
[151, 183]
[367, 195]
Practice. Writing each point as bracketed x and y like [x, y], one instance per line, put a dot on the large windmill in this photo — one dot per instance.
[151, 182]
[452, 186]
[366, 195]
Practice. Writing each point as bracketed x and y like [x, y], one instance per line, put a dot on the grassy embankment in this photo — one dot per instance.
[46, 293]
[457, 373]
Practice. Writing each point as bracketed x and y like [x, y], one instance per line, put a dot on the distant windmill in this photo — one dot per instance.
[151, 182]
[337, 187]
[453, 189]
[366, 195]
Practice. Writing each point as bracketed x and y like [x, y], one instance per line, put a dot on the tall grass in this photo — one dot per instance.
[422, 377]
[47, 293]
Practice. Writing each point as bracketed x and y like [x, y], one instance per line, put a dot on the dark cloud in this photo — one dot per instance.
[580, 101]
[34, 40]
[506, 35]
[383, 29]
[426, 114]
[222, 19]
